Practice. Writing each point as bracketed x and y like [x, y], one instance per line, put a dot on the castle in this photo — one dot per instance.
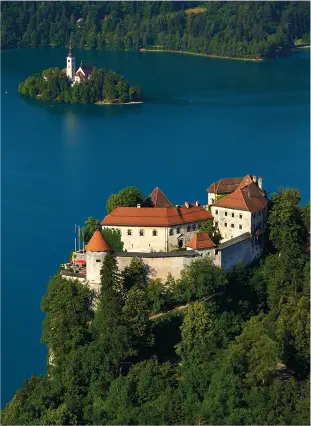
[167, 238]
[81, 74]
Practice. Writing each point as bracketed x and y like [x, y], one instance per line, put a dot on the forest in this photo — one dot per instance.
[235, 352]
[107, 86]
[257, 29]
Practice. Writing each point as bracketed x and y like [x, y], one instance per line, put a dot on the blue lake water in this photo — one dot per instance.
[205, 119]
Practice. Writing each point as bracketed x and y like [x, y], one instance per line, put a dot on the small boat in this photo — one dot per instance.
[51, 106]
[6, 92]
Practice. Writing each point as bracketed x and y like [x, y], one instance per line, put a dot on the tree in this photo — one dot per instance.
[214, 233]
[66, 326]
[126, 197]
[90, 226]
[135, 274]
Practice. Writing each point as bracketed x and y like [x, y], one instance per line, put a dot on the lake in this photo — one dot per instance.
[204, 119]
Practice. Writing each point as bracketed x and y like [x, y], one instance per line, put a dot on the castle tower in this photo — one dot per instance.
[96, 250]
[71, 63]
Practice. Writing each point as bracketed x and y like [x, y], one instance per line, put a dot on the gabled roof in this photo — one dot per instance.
[248, 197]
[84, 70]
[97, 242]
[200, 240]
[159, 199]
[156, 216]
[228, 185]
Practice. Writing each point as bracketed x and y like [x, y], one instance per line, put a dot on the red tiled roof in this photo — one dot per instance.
[80, 74]
[228, 185]
[86, 71]
[97, 242]
[200, 240]
[248, 197]
[156, 216]
[159, 199]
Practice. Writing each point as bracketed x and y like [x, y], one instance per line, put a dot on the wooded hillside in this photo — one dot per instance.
[236, 29]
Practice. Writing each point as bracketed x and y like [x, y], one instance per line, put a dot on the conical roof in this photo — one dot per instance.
[97, 242]
[159, 199]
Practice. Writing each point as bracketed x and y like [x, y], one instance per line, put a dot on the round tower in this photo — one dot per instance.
[71, 63]
[96, 250]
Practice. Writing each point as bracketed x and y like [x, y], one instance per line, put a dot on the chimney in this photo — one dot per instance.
[197, 203]
[187, 204]
[260, 183]
[255, 179]
[138, 206]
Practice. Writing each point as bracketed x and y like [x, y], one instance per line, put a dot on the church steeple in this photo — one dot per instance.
[71, 63]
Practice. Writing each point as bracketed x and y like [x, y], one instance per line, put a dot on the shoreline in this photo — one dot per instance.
[202, 54]
[117, 103]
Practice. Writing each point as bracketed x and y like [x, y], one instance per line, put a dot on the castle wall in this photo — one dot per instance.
[94, 263]
[245, 252]
[160, 267]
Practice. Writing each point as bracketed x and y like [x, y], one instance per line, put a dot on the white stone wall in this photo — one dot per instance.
[230, 222]
[94, 263]
[160, 267]
[211, 198]
[71, 66]
[243, 252]
[148, 242]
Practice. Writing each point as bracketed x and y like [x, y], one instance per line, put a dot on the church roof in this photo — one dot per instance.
[228, 185]
[156, 216]
[246, 197]
[200, 240]
[97, 242]
[159, 199]
[84, 71]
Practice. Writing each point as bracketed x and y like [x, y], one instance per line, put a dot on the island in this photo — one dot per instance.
[87, 85]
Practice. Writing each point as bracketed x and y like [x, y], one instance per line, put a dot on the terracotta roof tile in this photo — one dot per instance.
[200, 240]
[156, 216]
[249, 198]
[97, 242]
[159, 199]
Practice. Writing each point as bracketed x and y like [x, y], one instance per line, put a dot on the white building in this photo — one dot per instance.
[159, 228]
[70, 64]
[244, 210]
[83, 72]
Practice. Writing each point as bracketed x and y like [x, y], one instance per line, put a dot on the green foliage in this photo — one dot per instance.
[126, 197]
[236, 29]
[111, 235]
[104, 85]
[214, 233]
[233, 347]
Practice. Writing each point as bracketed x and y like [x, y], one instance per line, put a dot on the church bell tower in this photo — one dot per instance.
[71, 64]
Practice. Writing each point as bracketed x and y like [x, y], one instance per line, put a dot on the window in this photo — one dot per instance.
[141, 232]
[216, 211]
[188, 228]
[240, 226]
[240, 216]
[177, 230]
[171, 231]
[216, 225]
[226, 225]
[232, 225]
[129, 232]
[213, 200]
[154, 232]
[97, 260]
[193, 227]
[232, 214]
[226, 214]
[216, 252]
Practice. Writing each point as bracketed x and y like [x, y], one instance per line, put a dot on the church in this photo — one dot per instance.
[83, 72]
